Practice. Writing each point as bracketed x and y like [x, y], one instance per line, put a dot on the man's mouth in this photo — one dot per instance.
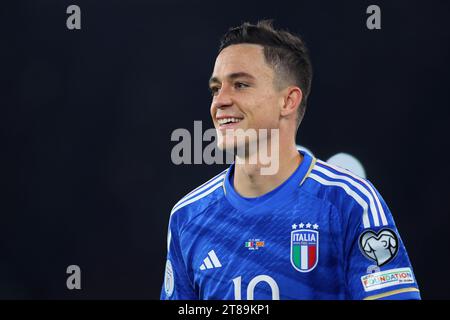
[231, 122]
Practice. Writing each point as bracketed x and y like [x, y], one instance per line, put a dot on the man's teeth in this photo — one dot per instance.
[227, 120]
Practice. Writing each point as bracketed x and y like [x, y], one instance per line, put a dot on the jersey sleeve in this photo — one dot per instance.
[377, 265]
[177, 283]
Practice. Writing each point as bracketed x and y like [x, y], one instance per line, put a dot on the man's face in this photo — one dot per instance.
[244, 95]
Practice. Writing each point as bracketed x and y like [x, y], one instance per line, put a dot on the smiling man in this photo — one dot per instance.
[307, 231]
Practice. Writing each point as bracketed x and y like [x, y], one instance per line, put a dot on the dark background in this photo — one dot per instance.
[86, 117]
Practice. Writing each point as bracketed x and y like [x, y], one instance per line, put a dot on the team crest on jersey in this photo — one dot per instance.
[304, 246]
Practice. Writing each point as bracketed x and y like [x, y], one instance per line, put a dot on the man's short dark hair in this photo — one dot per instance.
[285, 52]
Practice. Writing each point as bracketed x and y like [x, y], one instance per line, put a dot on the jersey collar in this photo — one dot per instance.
[271, 198]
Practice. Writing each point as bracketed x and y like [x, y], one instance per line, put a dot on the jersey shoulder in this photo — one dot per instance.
[347, 192]
[199, 199]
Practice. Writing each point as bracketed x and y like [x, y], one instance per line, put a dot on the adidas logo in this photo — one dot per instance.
[211, 261]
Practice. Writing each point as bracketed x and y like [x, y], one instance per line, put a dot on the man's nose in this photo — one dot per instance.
[222, 99]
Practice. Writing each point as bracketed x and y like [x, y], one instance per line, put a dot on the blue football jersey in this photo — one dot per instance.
[324, 233]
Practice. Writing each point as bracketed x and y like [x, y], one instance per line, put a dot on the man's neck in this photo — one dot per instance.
[250, 183]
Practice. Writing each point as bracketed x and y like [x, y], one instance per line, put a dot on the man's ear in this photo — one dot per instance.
[292, 99]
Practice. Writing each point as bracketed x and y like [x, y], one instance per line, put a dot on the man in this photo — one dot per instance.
[308, 231]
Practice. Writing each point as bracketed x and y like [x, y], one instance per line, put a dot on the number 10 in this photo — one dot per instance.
[252, 284]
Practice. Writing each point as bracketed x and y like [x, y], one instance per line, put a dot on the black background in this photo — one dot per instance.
[86, 117]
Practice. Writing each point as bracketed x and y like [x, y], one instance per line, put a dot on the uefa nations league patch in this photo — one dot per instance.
[380, 247]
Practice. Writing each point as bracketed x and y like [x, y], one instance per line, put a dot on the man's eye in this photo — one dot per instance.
[214, 90]
[240, 85]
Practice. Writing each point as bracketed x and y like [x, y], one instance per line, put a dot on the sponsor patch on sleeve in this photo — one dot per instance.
[169, 281]
[387, 278]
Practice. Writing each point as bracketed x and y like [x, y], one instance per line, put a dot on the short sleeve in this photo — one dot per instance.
[177, 283]
[377, 265]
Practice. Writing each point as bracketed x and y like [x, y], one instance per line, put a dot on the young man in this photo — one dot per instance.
[308, 231]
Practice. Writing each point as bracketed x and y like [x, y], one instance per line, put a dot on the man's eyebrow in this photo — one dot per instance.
[232, 76]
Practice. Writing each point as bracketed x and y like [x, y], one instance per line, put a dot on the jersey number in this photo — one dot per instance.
[252, 284]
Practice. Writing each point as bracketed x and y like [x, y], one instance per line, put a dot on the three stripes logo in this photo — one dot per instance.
[211, 261]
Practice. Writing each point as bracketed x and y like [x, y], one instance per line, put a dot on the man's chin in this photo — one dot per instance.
[227, 147]
[237, 149]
